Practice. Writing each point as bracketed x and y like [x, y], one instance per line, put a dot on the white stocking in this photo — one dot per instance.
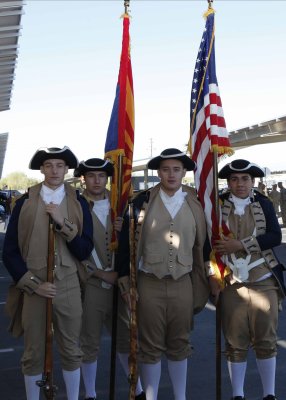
[266, 368]
[72, 380]
[150, 374]
[32, 389]
[88, 371]
[237, 374]
[178, 374]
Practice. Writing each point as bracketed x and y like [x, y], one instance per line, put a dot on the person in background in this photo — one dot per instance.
[274, 196]
[98, 291]
[282, 202]
[25, 255]
[171, 252]
[250, 299]
[8, 209]
[262, 188]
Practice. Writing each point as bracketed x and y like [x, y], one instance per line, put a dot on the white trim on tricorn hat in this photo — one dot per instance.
[48, 153]
[174, 154]
[241, 166]
[94, 164]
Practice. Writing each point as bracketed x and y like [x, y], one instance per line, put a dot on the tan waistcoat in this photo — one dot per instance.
[33, 234]
[167, 242]
[242, 228]
[101, 241]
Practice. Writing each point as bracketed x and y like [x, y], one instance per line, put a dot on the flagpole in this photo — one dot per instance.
[115, 288]
[132, 361]
[119, 148]
[218, 306]
[115, 301]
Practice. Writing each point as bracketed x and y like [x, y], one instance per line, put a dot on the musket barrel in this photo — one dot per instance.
[47, 383]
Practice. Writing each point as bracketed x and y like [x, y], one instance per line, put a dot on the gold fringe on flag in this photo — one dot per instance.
[208, 12]
[215, 268]
[222, 150]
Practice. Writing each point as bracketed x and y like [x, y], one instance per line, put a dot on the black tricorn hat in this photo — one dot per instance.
[174, 154]
[48, 153]
[94, 164]
[239, 167]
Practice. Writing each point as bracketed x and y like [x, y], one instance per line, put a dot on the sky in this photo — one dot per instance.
[68, 66]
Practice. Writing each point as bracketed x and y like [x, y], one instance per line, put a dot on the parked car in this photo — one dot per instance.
[5, 197]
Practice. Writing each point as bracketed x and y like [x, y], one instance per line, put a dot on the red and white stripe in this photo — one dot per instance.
[210, 133]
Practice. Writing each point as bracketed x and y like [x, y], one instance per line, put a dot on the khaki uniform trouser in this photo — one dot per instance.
[97, 313]
[283, 213]
[67, 311]
[250, 318]
[165, 313]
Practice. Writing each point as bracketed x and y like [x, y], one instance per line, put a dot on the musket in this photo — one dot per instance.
[47, 382]
[132, 360]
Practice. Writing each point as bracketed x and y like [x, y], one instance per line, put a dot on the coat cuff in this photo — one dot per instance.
[68, 230]
[29, 283]
[250, 245]
[124, 284]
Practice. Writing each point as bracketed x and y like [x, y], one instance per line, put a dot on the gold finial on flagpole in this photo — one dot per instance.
[210, 9]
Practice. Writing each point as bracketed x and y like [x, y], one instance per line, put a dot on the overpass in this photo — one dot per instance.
[11, 12]
[272, 131]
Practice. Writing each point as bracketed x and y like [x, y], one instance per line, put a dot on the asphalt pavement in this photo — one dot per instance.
[201, 366]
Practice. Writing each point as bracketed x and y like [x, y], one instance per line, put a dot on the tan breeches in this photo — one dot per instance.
[67, 311]
[97, 313]
[165, 312]
[250, 318]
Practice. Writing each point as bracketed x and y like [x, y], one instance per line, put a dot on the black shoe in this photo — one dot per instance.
[238, 398]
[141, 396]
[90, 398]
[270, 397]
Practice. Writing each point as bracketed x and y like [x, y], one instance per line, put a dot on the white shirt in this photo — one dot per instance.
[101, 209]
[173, 203]
[239, 204]
[54, 196]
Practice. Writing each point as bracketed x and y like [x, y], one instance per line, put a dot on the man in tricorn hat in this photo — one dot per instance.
[100, 278]
[172, 257]
[25, 256]
[251, 296]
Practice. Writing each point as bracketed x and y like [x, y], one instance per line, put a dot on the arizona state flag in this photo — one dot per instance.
[120, 134]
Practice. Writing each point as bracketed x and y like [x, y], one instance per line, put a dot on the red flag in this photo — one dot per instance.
[120, 134]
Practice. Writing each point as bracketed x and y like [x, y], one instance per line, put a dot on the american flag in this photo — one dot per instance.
[208, 129]
[120, 134]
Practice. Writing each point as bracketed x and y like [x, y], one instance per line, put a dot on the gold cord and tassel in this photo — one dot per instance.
[210, 10]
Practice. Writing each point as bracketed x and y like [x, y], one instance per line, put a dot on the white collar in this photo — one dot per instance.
[173, 203]
[239, 204]
[177, 195]
[52, 195]
[101, 210]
